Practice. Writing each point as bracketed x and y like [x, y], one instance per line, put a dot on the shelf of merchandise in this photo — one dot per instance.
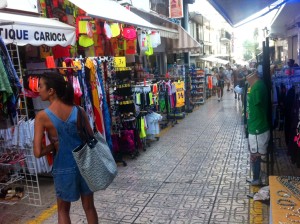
[13, 202]
[198, 84]
[25, 167]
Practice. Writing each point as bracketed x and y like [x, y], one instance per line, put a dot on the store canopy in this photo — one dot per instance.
[165, 27]
[111, 11]
[22, 30]
[235, 11]
[215, 60]
[168, 32]
[287, 13]
[184, 44]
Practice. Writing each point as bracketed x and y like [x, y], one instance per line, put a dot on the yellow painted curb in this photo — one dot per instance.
[256, 209]
[43, 216]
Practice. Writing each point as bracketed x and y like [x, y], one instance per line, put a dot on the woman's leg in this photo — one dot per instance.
[89, 208]
[218, 92]
[63, 210]
[222, 90]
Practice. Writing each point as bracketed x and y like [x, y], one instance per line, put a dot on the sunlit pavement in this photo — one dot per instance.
[195, 173]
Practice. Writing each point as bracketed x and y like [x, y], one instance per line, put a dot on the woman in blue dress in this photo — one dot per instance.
[60, 122]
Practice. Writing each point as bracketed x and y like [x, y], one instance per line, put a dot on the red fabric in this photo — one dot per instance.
[77, 100]
[55, 3]
[129, 33]
[50, 62]
[130, 47]
[61, 52]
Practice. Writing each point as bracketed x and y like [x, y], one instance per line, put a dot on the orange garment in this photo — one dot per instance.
[96, 101]
[154, 88]
[114, 44]
[130, 46]
[209, 82]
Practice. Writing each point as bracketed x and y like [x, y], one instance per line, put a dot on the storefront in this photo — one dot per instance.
[283, 88]
[19, 34]
[36, 31]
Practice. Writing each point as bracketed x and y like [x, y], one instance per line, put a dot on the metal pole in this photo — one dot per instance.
[185, 25]
[267, 80]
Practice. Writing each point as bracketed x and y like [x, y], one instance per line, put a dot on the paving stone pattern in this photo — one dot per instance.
[196, 173]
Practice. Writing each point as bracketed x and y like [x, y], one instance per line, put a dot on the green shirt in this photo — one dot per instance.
[257, 108]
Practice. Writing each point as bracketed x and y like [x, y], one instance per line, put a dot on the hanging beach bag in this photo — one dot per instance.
[94, 159]
[149, 50]
[129, 33]
[115, 29]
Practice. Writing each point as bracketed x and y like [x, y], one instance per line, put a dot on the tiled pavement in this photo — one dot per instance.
[196, 173]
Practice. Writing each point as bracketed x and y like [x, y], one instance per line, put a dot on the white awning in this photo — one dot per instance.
[167, 29]
[184, 44]
[22, 30]
[111, 11]
[215, 59]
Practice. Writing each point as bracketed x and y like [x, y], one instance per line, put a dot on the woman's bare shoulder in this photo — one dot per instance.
[40, 116]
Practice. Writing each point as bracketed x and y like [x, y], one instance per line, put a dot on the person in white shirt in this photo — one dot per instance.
[228, 80]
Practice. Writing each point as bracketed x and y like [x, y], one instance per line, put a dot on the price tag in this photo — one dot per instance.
[120, 62]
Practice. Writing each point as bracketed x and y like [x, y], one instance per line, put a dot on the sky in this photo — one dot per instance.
[241, 33]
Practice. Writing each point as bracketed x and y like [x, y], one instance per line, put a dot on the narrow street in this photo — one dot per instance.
[195, 173]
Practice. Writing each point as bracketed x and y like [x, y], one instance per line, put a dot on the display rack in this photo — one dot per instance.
[19, 173]
[198, 86]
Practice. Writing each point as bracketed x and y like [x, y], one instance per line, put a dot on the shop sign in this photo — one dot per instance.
[176, 8]
[120, 62]
[22, 35]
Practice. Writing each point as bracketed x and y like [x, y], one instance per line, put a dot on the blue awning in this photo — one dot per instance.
[235, 11]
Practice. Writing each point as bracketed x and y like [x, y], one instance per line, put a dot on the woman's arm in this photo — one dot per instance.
[39, 128]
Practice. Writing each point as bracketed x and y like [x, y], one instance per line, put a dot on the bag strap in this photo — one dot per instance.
[81, 126]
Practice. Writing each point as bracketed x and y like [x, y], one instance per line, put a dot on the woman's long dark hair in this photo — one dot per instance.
[64, 89]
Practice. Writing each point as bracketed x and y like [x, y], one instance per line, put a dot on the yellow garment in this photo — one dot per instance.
[148, 43]
[96, 101]
[138, 98]
[90, 64]
[115, 29]
[143, 130]
[85, 41]
[78, 65]
[151, 98]
[179, 94]
[82, 27]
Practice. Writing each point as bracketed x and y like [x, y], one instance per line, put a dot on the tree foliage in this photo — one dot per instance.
[251, 46]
